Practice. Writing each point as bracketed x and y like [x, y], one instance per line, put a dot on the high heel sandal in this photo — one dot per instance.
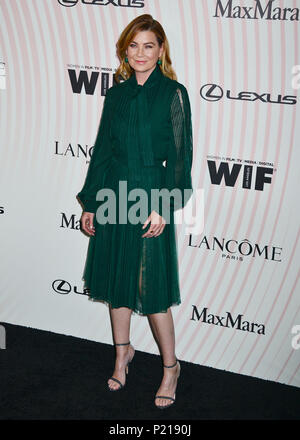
[168, 397]
[126, 371]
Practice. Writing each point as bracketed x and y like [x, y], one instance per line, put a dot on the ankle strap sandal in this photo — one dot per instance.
[171, 366]
[121, 385]
[124, 343]
[167, 397]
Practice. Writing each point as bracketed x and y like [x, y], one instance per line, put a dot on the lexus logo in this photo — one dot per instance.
[61, 286]
[67, 3]
[211, 92]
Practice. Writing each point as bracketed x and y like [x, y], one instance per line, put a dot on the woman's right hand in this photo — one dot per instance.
[87, 222]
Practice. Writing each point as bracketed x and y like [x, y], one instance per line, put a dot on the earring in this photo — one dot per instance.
[159, 61]
[126, 60]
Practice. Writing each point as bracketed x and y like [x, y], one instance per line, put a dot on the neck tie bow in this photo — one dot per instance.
[140, 152]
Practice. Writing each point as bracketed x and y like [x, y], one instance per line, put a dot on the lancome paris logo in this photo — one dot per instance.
[232, 249]
[213, 92]
[227, 320]
[75, 151]
[256, 9]
[122, 3]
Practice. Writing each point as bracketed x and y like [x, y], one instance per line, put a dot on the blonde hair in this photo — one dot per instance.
[143, 22]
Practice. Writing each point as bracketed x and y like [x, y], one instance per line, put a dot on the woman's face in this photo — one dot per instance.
[144, 51]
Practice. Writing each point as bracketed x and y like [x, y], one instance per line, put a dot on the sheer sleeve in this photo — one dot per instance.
[100, 158]
[180, 153]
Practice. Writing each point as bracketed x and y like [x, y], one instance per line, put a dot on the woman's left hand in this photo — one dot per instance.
[157, 225]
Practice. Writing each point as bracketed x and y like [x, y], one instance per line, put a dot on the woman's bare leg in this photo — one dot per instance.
[120, 320]
[163, 327]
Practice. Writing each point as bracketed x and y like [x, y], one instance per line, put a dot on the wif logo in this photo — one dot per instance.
[82, 80]
[251, 176]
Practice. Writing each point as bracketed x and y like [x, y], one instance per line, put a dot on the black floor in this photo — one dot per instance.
[46, 376]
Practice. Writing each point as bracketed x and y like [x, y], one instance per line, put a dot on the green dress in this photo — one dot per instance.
[141, 127]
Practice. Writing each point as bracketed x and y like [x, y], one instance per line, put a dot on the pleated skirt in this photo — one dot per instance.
[122, 269]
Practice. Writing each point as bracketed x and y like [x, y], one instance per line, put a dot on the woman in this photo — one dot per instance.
[146, 120]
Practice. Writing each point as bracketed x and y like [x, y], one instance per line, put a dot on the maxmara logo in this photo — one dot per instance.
[257, 9]
[69, 222]
[123, 3]
[228, 320]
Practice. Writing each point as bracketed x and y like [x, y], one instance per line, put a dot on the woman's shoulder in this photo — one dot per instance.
[176, 88]
[174, 83]
[115, 89]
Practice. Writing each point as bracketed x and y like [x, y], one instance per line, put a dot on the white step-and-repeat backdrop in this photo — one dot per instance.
[240, 61]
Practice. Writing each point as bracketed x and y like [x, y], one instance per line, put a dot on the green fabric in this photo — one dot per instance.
[141, 127]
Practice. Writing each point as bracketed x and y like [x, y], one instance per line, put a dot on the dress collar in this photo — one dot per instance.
[151, 81]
